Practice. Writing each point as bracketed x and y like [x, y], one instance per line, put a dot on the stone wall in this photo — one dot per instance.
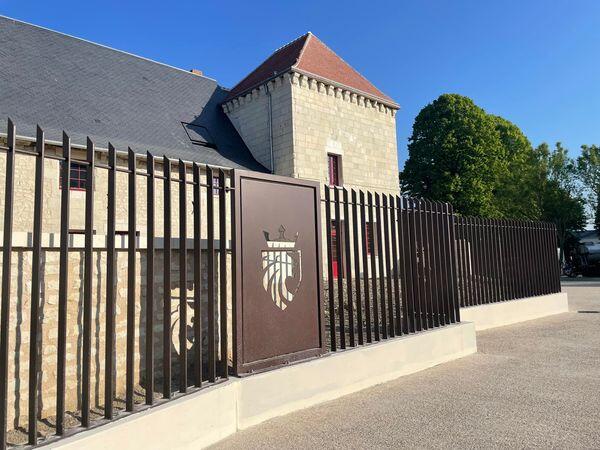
[19, 335]
[250, 116]
[362, 131]
[25, 189]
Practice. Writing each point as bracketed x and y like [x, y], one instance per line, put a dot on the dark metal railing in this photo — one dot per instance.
[395, 266]
[505, 259]
[216, 297]
[391, 266]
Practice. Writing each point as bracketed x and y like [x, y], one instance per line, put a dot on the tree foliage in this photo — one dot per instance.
[588, 168]
[455, 156]
[483, 164]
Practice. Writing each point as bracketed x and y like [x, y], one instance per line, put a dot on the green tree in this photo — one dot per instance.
[516, 194]
[588, 168]
[455, 155]
[559, 193]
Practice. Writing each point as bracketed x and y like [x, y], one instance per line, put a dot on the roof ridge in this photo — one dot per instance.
[308, 33]
[106, 47]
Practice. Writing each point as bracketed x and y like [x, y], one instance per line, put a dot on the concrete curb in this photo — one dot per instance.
[207, 416]
[499, 314]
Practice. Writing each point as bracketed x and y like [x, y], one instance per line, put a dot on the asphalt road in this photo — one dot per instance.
[535, 384]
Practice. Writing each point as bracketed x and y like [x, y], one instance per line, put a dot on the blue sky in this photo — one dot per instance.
[535, 63]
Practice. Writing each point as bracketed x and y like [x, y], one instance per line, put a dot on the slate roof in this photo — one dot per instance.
[61, 82]
[310, 55]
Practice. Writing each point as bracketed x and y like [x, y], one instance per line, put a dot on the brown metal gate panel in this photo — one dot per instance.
[277, 310]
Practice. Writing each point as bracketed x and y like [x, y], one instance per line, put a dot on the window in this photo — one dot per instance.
[78, 176]
[335, 169]
[370, 234]
[199, 135]
[216, 184]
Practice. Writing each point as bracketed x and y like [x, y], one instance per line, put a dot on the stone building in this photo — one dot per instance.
[303, 112]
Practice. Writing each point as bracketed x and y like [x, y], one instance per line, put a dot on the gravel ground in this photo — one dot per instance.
[535, 384]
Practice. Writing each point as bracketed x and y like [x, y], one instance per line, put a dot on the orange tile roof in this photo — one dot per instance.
[309, 55]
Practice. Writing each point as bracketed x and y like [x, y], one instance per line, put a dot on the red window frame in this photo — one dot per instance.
[334, 168]
[370, 235]
[77, 176]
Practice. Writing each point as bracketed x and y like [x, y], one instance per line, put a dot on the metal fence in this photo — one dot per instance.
[206, 365]
[391, 266]
[394, 266]
[505, 259]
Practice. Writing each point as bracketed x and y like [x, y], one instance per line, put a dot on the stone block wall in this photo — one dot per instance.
[24, 191]
[329, 119]
[19, 335]
[250, 116]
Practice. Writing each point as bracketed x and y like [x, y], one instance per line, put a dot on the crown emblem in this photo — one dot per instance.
[281, 268]
[281, 241]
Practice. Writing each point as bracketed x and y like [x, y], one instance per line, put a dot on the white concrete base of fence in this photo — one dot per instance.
[205, 417]
[513, 311]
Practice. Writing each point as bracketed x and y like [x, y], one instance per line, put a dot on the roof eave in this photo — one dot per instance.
[386, 101]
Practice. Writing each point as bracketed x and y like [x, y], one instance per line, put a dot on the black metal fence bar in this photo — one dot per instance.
[365, 265]
[395, 272]
[223, 273]
[356, 248]
[183, 357]
[340, 268]
[330, 278]
[149, 350]
[407, 256]
[388, 267]
[167, 279]
[109, 366]
[406, 290]
[372, 257]
[35, 288]
[63, 285]
[210, 230]
[380, 266]
[6, 276]
[197, 276]
[131, 280]
[348, 268]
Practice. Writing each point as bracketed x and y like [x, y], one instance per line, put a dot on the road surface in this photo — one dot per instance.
[534, 384]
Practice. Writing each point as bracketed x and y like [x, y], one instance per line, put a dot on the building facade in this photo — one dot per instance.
[303, 113]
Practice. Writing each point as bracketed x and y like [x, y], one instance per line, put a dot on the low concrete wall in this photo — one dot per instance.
[513, 311]
[203, 418]
[279, 392]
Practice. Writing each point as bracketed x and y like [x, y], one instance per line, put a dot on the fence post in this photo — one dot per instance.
[131, 279]
[35, 287]
[150, 197]
[328, 230]
[109, 383]
[63, 281]
[6, 275]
